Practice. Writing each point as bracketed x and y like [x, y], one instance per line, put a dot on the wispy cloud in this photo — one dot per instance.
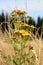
[35, 5]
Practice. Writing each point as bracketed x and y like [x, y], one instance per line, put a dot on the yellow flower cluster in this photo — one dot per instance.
[19, 11]
[16, 31]
[28, 16]
[23, 32]
[32, 26]
[24, 24]
[12, 15]
[18, 21]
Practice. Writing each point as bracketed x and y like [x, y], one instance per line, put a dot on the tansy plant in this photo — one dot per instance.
[21, 34]
[21, 28]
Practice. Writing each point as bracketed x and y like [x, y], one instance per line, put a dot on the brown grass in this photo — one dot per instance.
[6, 49]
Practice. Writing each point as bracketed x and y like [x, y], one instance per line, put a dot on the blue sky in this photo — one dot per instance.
[34, 7]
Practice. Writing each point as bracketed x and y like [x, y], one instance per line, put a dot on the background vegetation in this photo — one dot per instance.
[21, 42]
[38, 23]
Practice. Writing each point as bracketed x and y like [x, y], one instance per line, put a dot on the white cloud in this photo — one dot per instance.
[35, 5]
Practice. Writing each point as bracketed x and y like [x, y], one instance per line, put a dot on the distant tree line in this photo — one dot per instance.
[5, 18]
[38, 24]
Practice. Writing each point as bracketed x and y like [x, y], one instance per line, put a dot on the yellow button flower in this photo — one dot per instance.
[16, 31]
[32, 26]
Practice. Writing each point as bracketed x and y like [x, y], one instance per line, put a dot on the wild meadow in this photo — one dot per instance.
[20, 42]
